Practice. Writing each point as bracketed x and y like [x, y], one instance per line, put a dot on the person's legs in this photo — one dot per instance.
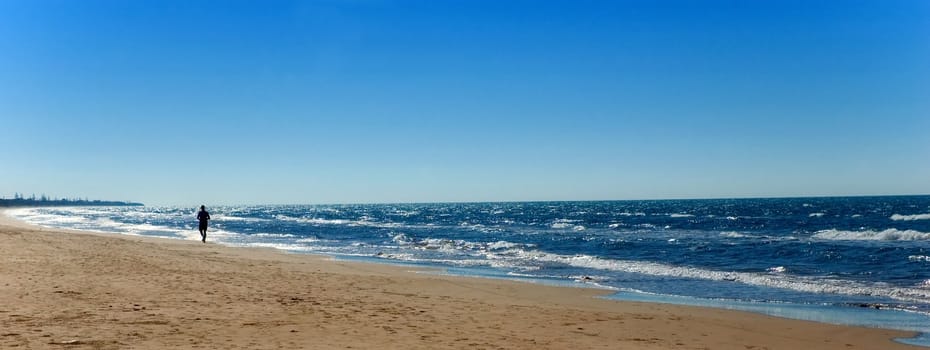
[203, 232]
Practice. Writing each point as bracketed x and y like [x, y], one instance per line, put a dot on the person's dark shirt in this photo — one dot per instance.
[203, 216]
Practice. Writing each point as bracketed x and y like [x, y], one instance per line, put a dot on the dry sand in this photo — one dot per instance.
[69, 290]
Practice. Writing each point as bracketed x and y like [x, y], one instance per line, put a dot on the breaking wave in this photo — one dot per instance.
[899, 217]
[776, 280]
[884, 235]
[524, 257]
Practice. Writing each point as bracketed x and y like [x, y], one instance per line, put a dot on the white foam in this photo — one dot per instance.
[820, 285]
[282, 246]
[337, 222]
[405, 213]
[517, 256]
[501, 251]
[593, 281]
[97, 219]
[273, 235]
[401, 238]
[564, 223]
[919, 258]
[57, 219]
[236, 218]
[502, 245]
[34, 216]
[444, 245]
[777, 269]
[868, 235]
[455, 262]
[732, 234]
[681, 215]
[17, 212]
[313, 220]
[815, 215]
[136, 228]
[899, 217]
[396, 256]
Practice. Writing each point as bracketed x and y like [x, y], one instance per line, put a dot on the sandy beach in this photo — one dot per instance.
[69, 290]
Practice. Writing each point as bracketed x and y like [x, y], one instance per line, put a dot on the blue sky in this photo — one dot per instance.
[354, 101]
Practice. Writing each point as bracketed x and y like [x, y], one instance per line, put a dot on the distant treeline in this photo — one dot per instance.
[43, 201]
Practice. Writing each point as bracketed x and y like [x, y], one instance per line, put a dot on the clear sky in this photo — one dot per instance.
[352, 101]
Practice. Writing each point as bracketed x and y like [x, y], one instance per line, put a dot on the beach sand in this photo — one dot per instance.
[69, 290]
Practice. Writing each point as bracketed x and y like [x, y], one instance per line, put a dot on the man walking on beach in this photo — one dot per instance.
[203, 216]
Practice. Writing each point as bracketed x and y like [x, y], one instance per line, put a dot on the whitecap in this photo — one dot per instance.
[325, 221]
[401, 238]
[732, 234]
[312, 220]
[899, 217]
[236, 218]
[869, 235]
[502, 245]
[336, 222]
[564, 223]
[273, 235]
[681, 215]
[815, 215]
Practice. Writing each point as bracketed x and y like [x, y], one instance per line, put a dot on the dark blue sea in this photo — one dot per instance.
[847, 260]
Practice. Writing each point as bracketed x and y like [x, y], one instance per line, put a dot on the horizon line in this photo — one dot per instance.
[574, 200]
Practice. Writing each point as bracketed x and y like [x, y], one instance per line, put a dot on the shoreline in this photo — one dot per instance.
[148, 292]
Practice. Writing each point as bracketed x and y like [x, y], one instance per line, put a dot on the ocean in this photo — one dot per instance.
[845, 260]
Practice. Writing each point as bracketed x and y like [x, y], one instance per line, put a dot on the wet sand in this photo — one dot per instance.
[69, 290]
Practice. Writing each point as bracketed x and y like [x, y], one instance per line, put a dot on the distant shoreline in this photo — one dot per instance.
[11, 203]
